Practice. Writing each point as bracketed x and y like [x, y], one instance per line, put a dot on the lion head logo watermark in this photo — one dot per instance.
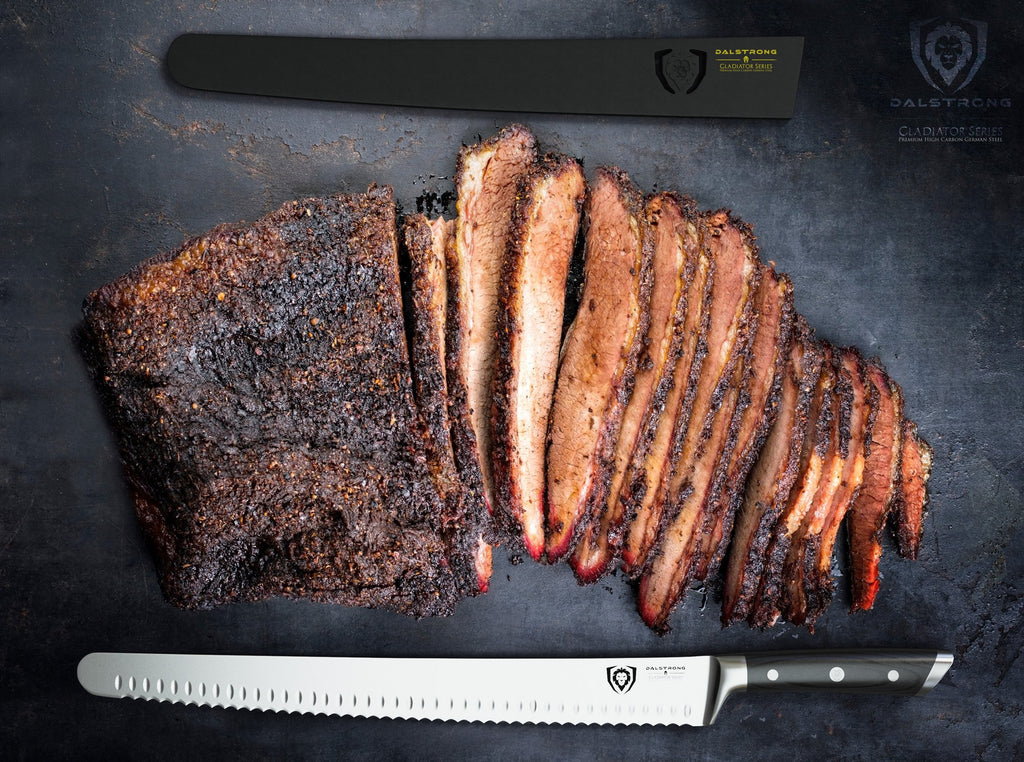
[621, 679]
[948, 52]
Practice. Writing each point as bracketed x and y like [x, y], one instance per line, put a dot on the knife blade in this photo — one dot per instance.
[687, 690]
[700, 76]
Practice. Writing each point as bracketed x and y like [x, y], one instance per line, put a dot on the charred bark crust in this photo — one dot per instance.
[259, 382]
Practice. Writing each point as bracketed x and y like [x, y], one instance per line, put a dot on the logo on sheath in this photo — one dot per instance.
[621, 679]
[948, 52]
[746, 60]
[680, 71]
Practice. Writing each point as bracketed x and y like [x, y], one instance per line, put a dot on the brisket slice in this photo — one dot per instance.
[855, 397]
[758, 405]
[766, 605]
[682, 553]
[772, 477]
[486, 178]
[676, 254]
[672, 400]
[697, 438]
[874, 501]
[545, 221]
[912, 498]
[599, 357]
[425, 241]
[425, 244]
[259, 383]
[794, 599]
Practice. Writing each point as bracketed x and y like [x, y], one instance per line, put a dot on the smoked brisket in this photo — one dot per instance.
[772, 477]
[294, 419]
[707, 450]
[855, 398]
[425, 245]
[676, 254]
[663, 535]
[599, 357]
[425, 241]
[912, 498]
[763, 365]
[766, 605]
[532, 298]
[879, 487]
[674, 393]
[835, 447]
[487, 177]
[259, 382]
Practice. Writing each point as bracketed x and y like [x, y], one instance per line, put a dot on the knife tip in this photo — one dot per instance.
[91, 674]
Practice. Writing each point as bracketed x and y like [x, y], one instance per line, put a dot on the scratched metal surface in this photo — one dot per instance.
[911, 251]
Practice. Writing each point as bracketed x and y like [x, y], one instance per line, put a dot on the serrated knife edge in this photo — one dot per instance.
[479, 690]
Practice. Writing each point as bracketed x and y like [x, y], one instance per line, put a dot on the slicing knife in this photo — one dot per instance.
[752, 77]
[630, 691]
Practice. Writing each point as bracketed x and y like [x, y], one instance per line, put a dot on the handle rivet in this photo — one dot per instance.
[773, 675]
[893, 675]
[836, 674]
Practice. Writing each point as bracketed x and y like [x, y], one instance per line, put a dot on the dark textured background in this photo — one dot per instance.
[910, 251]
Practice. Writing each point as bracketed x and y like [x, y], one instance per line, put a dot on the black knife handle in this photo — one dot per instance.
[896, 672]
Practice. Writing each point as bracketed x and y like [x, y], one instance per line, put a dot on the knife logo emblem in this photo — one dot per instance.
[621, 679]
[948, 52]
[680, 71]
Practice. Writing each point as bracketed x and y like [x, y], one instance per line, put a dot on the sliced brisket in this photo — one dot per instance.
[766, 606]
[599, 357]
[533, 287]
[259, 382]
[874, 501]
[772, 476]
[912, 498]
[804, 543]
[425, 242]
[856, 395]
[758, 405]
[290, 425]
[682, 553]
[425, 245]
[676, 254]
[673, 397]
[487, 176]
[697, 439]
